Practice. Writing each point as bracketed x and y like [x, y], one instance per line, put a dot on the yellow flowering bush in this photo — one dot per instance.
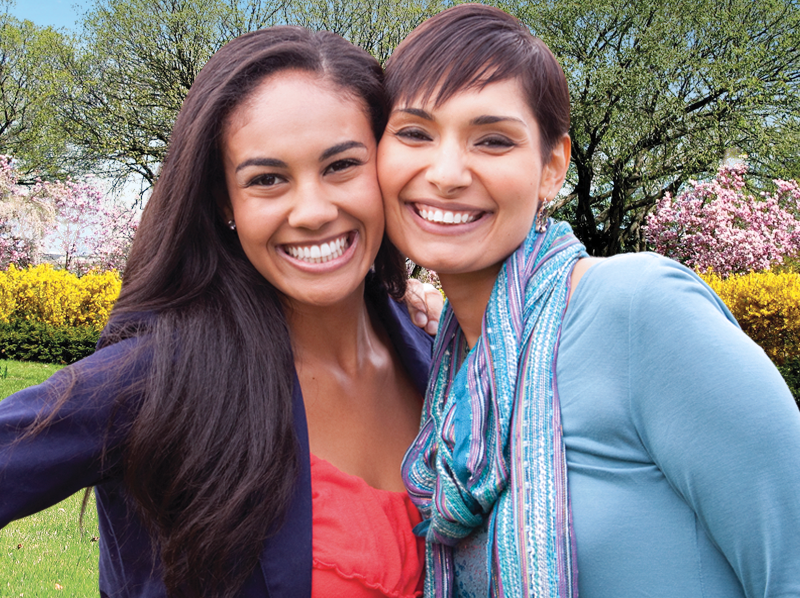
[767, 307]
[56, 297]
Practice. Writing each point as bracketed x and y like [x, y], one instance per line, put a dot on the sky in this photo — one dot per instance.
[55, 13]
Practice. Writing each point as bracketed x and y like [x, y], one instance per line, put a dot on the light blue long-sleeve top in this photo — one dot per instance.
[682, 444]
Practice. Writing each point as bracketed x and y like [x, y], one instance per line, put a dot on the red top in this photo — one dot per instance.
[363, 546]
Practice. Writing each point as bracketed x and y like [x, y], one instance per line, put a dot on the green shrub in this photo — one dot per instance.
[767, 307]
[57, 297]
[35, 341]
[790, 371]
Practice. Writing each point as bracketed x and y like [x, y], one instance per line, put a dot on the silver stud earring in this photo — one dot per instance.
[541, 217]
[231, 225]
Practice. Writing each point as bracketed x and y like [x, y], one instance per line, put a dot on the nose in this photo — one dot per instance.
[312, 207]
[449, 171]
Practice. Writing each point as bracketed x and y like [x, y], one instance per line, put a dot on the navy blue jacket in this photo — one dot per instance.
[38, 472]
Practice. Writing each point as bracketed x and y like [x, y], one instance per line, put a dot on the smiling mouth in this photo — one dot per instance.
[321, 253]
[438, 216]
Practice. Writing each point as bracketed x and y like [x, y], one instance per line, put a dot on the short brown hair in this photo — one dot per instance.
[471, 46]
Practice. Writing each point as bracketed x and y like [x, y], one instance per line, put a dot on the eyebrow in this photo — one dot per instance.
[271, 162]
[417, 112]
[339, 148]
[486, 119]
[275, 163]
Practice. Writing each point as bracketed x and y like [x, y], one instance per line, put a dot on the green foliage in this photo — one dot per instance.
[791, 374]
[36, 341]
[138, 59]
[378, 26]
[135, 65]
[30, 71]
[661, 89]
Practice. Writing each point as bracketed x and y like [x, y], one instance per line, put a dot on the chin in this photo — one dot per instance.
[447, 259]
[331, 292]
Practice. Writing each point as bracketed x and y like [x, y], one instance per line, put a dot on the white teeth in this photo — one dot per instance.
[446, 217]
[319, 254]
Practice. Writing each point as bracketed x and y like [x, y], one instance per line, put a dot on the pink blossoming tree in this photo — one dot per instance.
[73, 218]
[26, 217]
[719, 225]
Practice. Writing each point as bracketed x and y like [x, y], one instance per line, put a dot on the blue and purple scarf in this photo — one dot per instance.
[491, 442]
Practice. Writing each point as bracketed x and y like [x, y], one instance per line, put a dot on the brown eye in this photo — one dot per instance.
[496, 141]
[341, 165]
[413, 134]
[265, 180]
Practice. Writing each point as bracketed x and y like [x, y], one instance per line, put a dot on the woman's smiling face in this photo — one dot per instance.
[299, 163]
[462, 182]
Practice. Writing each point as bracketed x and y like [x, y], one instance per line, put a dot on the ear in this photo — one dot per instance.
[555, 170]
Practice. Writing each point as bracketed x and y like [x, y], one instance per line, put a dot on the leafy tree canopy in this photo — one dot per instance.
[136, 62]
[661, 89]
[138, 59]
[30, 59]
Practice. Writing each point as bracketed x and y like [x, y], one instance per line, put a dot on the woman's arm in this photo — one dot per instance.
[720, 423]
[66, 454]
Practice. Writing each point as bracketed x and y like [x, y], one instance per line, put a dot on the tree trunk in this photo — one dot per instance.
[585, 225]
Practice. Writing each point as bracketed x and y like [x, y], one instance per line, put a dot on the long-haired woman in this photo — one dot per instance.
[605, 408]
[257, 379]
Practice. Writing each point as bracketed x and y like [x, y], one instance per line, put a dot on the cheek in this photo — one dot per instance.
[364, 203]
[375, 220]
[369, 192]
[256, 223]
[391, 169]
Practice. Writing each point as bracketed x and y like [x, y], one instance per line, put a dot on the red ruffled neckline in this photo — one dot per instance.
[363, 543]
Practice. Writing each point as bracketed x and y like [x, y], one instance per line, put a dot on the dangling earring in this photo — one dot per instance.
[541, 217]
[231, 225]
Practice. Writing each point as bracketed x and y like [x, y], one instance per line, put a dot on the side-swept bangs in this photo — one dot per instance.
[470, 46]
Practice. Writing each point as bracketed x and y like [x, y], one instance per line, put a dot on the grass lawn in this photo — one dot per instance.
[46, 554]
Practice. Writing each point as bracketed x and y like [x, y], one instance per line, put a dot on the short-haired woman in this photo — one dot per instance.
[600, 425]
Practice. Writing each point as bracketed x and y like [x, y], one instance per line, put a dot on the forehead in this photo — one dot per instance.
[274, 91]
[292, 89]
[294, 108]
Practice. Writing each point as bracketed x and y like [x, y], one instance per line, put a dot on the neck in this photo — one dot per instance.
[340, 334]
[469, 295]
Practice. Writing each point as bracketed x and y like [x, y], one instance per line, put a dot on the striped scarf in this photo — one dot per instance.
[491, 443]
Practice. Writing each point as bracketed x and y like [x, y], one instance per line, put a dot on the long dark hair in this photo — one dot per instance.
[211, 457]
[471, 46]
